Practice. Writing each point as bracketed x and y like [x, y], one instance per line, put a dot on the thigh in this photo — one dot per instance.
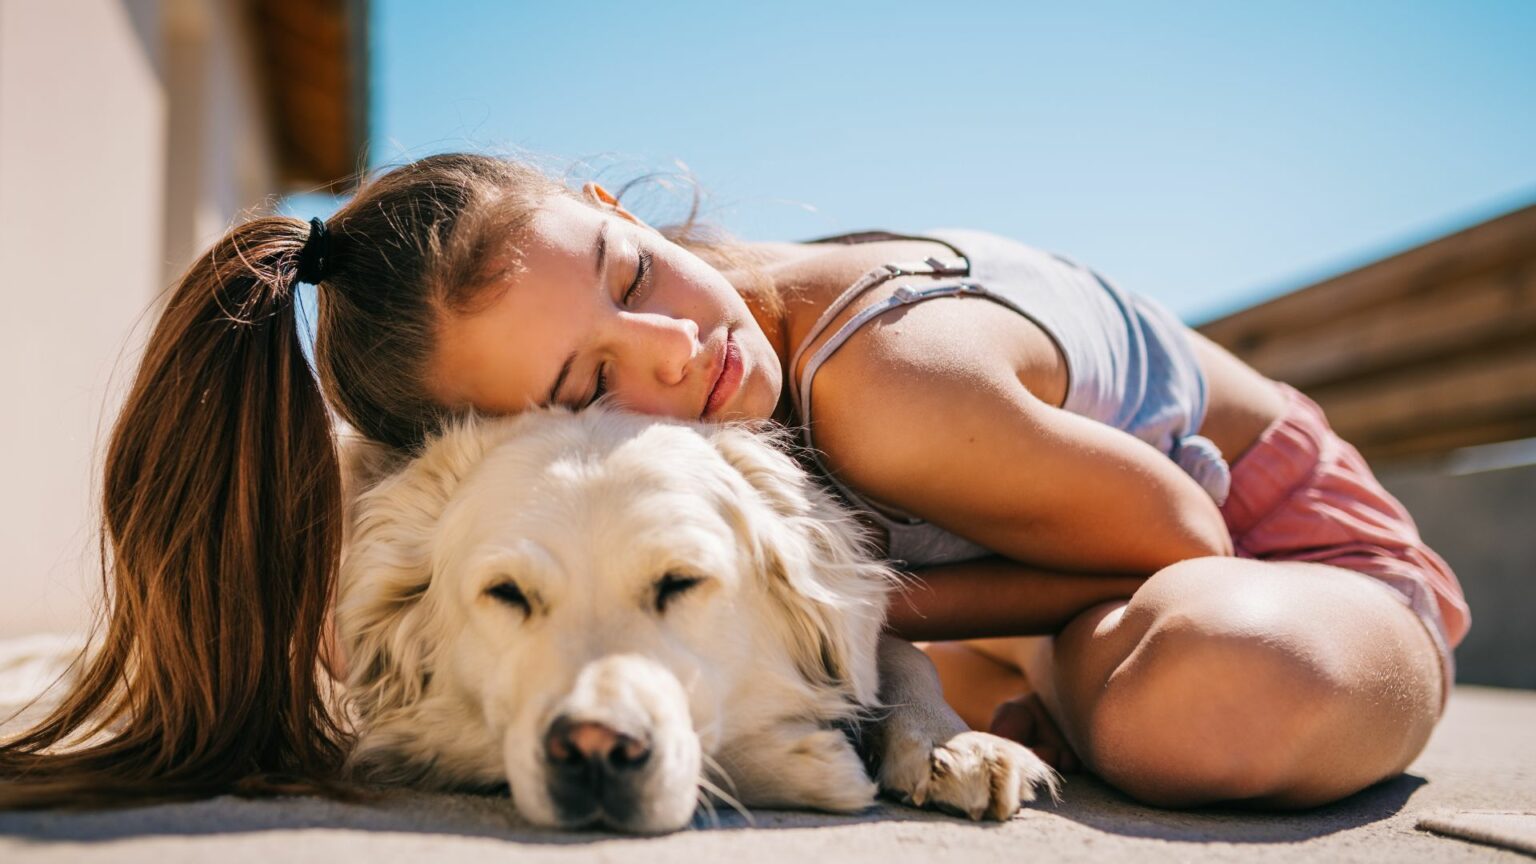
[1282, 682]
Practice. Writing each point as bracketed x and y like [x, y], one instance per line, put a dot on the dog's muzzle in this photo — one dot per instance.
[620, 750]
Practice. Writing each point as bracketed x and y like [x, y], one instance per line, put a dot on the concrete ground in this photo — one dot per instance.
[1482, 757]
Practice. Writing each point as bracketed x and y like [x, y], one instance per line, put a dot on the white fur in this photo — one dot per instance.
[741, 681]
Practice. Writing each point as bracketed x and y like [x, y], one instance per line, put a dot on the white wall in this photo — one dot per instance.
[131, 135]
[82, 143]
[219, 158]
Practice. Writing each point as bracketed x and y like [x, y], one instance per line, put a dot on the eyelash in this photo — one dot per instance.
[642, 271]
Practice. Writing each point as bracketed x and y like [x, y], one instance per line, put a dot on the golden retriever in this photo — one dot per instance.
[616, 616]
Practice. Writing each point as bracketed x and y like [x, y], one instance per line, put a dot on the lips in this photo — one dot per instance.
[727, 377]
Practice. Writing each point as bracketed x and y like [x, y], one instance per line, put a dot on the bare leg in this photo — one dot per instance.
[1286, 684]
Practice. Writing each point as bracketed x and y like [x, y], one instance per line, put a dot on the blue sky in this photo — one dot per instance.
[1207, 154]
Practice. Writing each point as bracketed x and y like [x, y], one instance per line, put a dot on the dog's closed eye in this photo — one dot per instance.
[511, 595]
[672, 586]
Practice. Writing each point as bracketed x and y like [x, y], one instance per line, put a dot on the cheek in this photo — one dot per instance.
[706, 647]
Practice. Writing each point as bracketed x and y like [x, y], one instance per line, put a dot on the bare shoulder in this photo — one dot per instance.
[948, 409]
[950, 334]
[918, 378]
[875, 399]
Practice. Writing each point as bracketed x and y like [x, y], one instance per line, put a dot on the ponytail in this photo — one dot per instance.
[220, 542]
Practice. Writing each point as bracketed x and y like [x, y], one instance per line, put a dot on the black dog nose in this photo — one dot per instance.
[594, 770]
[584, 745]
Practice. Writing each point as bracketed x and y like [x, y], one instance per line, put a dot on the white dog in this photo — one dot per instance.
[612, 614]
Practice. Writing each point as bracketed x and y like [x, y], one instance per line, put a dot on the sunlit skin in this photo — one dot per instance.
[657, 344]
[1152, 616]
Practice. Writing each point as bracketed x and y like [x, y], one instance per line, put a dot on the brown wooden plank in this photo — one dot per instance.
[1496, 243]
[1435, 442]
[1490, 307]
[313, 58]
[1484, 387]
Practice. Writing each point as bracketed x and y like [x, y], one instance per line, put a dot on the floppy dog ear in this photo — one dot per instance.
[820, 567]
[364, 463]
[384, 618]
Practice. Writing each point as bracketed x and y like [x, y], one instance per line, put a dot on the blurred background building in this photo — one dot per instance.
[133, 133]
[1183, 151]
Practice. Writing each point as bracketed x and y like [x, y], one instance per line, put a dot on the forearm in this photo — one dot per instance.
[997, 596]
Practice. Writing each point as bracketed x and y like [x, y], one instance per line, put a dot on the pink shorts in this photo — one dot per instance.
[1302, 493]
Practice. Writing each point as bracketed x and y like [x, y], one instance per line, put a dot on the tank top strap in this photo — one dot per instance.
[960, 265]
[931, 267]
[902, 296]
[800, 386]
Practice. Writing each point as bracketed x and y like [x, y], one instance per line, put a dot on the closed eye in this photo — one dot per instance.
[672, 586]
[509, 594]
[642, 273]
[642, 270]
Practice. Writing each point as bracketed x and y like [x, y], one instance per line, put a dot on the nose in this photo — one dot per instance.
[594, 770]
[664, 347]
[593, 767]
[579, 744]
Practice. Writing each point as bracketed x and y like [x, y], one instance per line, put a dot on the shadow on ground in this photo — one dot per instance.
[1097, 806]
[1087, 802]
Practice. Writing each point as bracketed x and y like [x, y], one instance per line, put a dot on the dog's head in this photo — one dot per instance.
[586, 606]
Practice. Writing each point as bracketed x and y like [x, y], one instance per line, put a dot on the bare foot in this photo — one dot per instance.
[1025, 720]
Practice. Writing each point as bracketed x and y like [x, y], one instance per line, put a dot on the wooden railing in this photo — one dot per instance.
[1417, 354]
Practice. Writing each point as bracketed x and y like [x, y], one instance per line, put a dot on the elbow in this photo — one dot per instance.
[1193, 528]
[1207, 534]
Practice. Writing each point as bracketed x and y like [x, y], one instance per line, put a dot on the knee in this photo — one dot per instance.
[1215, 702]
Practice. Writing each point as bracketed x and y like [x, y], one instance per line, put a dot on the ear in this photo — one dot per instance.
[599, 197]
[364, 463]
[818, 564]
[384, 617]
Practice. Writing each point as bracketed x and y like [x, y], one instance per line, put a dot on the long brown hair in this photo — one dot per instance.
[222, 497]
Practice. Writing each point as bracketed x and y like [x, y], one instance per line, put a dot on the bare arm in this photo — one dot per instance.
[964, 445]
[941, 428]
[997, 596]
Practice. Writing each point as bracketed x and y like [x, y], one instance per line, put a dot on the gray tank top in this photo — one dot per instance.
[1129, 361]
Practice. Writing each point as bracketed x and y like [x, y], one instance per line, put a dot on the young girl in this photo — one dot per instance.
[1241, 613]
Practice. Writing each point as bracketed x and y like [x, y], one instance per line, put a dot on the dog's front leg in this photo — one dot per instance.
[930, 758]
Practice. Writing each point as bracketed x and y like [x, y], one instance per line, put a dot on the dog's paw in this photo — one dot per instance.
[974, 774]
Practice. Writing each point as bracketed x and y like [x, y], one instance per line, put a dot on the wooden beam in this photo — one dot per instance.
[313, 59]
[1488, 307]
[1428, 350]
[1485, 387]
[1493, 244]
[1434, 442]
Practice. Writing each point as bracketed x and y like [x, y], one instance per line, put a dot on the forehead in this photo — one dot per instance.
[561, 226]
[501, 356]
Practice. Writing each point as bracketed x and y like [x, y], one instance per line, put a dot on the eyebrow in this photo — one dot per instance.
[600, 253]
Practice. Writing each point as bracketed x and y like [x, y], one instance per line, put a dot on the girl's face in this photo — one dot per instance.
[599, 303]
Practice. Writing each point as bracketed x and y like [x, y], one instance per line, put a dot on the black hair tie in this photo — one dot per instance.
[315, 257]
